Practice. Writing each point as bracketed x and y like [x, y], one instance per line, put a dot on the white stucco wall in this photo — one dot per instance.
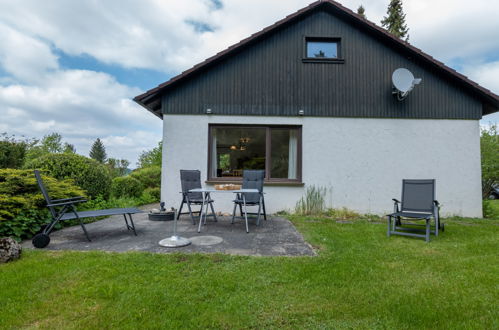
[361, 161]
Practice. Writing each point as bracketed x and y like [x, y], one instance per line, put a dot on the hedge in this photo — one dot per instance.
[87, 173]
[22, 207]
[150, 177]
[126, 186]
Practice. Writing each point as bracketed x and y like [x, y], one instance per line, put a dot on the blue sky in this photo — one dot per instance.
[73, 66]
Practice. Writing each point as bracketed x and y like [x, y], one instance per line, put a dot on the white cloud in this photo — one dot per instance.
[23, 56]
[81, 105]
[38, 97]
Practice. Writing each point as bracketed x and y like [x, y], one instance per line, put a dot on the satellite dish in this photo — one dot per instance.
[403, 82]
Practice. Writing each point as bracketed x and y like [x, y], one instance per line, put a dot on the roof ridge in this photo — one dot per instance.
[150, 94]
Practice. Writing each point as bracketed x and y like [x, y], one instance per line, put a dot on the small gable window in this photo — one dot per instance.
[319, 49]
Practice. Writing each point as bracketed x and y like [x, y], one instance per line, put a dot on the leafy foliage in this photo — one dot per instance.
[151, 157]
[22, 206]
[98, 151]
[150, 177]
[69, 148]
[313, 203]
[12, 151]
[489, 146]
[152, 194]
[86, 173]
[118, 167]
[51, 143]
[126, 186]
[394, 22]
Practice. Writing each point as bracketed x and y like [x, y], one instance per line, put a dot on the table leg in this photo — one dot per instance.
[245, 213]
[201, 212]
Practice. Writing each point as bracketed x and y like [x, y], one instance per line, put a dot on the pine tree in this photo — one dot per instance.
[362, 11]
[394, 22]
[98, 151]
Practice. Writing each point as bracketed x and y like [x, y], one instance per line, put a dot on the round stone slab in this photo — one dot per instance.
[206, 240]
[174, 241]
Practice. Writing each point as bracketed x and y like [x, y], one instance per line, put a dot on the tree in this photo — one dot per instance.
[69, 148]
[151, 157]
[50, 144]
[12, 151]
[362, 11]
[489, 147]
[394, 22]
[118, 167]
[98, 151]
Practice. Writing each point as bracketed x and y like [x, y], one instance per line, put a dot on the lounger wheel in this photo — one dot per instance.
[41, 240]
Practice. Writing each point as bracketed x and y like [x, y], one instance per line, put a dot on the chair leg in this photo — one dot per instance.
[389, 221]
[241, 209]
[83, 227]
[259, 210]
[132, 224]
[233, 213]
[190, 212]
[264, 211]
[427, 230]
[180, 209]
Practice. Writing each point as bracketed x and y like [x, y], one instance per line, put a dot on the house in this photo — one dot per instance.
[309, 99]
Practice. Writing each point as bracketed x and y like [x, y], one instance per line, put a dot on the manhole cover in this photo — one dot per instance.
[206, 240]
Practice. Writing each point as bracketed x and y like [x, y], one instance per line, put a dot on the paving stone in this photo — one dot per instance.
[276, 236]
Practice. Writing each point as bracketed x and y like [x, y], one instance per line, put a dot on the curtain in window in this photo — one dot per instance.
[293, 154]
[214, 157]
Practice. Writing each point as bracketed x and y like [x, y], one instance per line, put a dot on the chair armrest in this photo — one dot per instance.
[436, 203]
[396, 200]
[67, 199]
[67, 203]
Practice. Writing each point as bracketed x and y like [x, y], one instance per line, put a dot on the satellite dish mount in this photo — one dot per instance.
[403, 83]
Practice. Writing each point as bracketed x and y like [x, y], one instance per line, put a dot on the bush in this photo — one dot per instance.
[88, 174]
[126, 186]
[22, 207]
[150, 177]
[153, 194]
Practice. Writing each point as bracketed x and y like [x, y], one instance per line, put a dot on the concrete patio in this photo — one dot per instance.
[275, 237]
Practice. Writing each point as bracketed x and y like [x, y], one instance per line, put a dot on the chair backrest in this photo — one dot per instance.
[253, 179]
[191, 179]
[418, 195]
[44, 191]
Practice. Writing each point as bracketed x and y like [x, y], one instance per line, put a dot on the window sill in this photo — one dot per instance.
[265, 183]
[324, 60]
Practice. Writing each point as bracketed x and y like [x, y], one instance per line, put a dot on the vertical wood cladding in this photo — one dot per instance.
[269, 78]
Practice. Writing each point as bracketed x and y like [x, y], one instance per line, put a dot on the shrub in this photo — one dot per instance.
[153, 194]
[313, 203]
[126, 186]
[489, 144]
[150, 177]
[22, 207]
[88, 174]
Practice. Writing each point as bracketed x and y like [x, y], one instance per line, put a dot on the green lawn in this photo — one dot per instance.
[361, 279]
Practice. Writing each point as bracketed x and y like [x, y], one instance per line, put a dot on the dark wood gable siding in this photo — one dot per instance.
[269, 78]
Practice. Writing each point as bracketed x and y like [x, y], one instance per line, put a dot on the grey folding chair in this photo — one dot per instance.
[252, 179]
[65, 209]
[191, 179]
[418, 203]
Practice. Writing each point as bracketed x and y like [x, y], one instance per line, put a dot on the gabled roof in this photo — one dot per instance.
[151, 99]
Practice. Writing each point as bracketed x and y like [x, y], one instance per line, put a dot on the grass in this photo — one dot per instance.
[361, 279]
[494, 208]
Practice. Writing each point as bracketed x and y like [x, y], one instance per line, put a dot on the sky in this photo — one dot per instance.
[73, 67]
